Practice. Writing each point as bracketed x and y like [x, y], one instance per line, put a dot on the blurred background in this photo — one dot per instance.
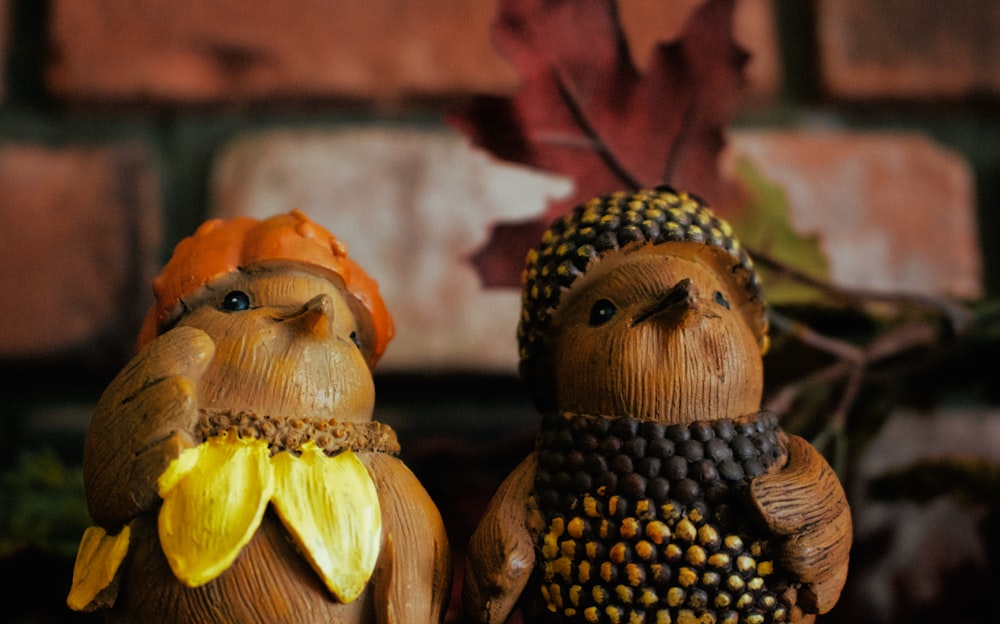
[126, 123]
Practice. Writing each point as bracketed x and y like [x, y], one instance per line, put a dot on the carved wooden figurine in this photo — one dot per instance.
[659, 492]
[233, 469]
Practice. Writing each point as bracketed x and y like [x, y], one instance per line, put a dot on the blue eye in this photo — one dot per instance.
[602, 312]
[235, 301]
[719, 299]
[355, 339]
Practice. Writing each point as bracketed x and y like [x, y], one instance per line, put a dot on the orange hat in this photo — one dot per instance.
[219, 247]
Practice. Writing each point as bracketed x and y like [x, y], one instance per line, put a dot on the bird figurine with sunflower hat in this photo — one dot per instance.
[659, 491]
[233, 470]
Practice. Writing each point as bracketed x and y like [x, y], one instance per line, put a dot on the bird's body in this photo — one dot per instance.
[151, 593]
[658, 492]
[233, 468]
[643, 521]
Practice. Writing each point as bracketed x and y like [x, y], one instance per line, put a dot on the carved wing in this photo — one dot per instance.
[805, 507]
[144, 419]
[501, 552]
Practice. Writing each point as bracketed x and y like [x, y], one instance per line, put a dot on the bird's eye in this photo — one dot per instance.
[602, 312]
[721, 300]
[235, 301]
[355, 339]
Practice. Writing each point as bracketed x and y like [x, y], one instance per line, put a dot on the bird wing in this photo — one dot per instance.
[143, 420]
[501, 552]
[805, 507]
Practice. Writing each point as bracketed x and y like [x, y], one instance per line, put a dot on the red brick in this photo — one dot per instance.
[80, 232]
[225, 50]
[894, 211]
[248, 49]
[901, 48]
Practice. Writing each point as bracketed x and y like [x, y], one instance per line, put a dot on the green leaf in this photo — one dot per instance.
[764, 227]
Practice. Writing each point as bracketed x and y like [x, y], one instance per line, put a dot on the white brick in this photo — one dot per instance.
[413, 206]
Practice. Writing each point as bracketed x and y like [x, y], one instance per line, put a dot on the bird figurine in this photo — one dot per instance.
[659, 491]
[233, 470]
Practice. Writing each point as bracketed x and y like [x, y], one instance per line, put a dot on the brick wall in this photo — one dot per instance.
[125, 123]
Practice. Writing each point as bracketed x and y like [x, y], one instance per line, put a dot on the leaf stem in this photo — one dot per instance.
[572, 101]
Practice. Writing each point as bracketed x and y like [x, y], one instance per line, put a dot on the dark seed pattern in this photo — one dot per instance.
[644, 526]
[329, 434]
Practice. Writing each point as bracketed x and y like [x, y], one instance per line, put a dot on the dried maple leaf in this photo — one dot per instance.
[584, 110]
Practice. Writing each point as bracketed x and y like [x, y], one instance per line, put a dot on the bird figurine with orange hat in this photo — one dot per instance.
[233, 470]
[659, 491]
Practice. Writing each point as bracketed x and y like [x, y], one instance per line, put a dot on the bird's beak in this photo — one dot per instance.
[313, 319]
[673, 306]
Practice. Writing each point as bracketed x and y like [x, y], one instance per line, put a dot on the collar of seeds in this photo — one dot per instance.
[329, 434]
[638, 459]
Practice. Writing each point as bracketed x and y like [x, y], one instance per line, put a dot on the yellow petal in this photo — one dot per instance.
[331, 508]
[214, 496]
[97, 562]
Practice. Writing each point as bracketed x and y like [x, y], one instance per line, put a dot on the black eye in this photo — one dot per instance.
[236, 301]
[719, 299]
[602, 312]
[355, 339]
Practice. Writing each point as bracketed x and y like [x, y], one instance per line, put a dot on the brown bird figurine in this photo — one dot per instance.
[233, 469]
[659, 492]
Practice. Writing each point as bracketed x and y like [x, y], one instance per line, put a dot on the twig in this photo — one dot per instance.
[784, 398]
[852, 365]
[959, 317]
[852, 362]
[807, 335]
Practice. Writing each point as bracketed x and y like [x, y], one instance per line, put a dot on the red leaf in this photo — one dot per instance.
[585, 111]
